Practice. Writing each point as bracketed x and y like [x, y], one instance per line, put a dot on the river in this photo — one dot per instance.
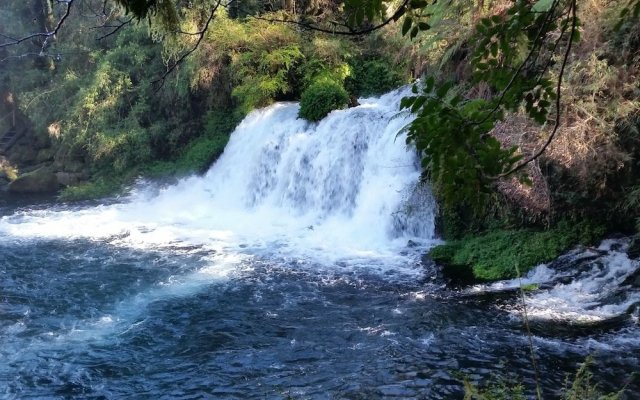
[292, 269]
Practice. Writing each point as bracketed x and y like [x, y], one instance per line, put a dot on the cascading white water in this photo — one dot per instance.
[589, 287]
[343, 191]
[344, 188]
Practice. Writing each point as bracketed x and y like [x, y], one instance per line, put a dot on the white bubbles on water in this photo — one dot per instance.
[342, 190]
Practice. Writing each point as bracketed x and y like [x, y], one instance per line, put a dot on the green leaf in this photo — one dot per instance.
[444, 89]
[429, 84]
[406, 102]
[359, 18]
[494, 49]
[542, 6]
[576, 36]
[419, 101]
[406, 25]
[370, 13]
[417, 4]
[414, 32]
[424, 26]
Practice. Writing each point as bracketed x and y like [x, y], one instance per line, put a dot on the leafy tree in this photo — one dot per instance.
[520, 54]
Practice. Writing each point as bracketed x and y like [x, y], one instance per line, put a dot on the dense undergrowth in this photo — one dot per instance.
[108, 108]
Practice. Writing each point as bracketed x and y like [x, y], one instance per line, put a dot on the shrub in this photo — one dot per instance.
[372, 77]
[321, 98]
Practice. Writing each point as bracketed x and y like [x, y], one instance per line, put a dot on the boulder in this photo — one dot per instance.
[69, 178]
[634, 248]
[633, 279]
[42, 180]
[23, 154]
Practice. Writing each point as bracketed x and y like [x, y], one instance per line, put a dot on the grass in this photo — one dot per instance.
[582, 387]
[99, 188]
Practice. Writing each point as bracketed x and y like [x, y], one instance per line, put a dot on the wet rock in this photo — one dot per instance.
[75, 166]
[42, 180]
[633, 279]
[634, 248]
[563, 328]
[456, 275]
[69, 178]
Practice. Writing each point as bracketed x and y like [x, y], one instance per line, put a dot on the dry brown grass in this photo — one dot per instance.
[596, 94]
[534, 199]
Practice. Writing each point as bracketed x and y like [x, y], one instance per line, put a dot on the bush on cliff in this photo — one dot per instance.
[321, 98]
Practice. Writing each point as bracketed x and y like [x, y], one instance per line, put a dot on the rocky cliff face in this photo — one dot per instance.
[30, 161]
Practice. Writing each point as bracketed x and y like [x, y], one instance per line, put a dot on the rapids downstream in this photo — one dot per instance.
[292, 269]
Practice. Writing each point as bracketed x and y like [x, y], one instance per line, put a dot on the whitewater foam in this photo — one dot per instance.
[587, 288]
[344, 189]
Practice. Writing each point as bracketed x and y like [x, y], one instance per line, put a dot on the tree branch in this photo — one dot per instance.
[521, 67]
[399, 11]
[25, 55]
[46, 35]
[181, 59]
[574, 22]
[115, 30]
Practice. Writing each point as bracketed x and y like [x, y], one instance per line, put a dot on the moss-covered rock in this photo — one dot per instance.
[503, 253]
[42, 180]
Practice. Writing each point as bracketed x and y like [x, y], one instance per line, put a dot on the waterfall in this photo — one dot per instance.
[344, 188]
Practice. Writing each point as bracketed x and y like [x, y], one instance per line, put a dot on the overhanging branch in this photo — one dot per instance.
[46, 35]
[556, 125]
[350, 32]
[181, 59]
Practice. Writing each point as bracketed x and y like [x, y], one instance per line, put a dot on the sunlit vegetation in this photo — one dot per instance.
[477, 121]
[110, 109]
[322, 97]
[507, 254]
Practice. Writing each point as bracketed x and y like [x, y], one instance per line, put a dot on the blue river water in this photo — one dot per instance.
[84, 319]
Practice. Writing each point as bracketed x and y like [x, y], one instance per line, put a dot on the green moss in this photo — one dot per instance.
[202, 152]
[495, 255]
[531, 287]
[321, 98]
[91, 190]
